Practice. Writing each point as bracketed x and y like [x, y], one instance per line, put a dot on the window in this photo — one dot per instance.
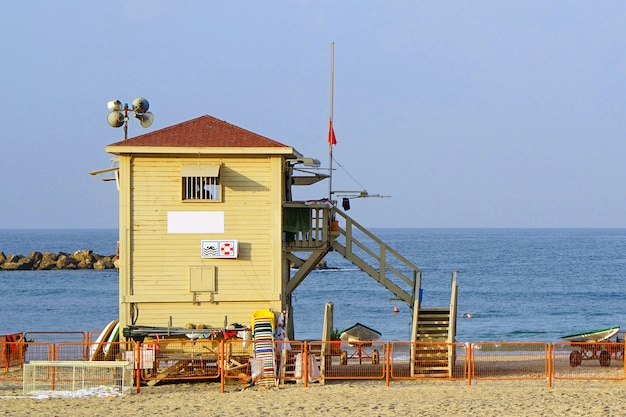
[201, 183]
[201, 188]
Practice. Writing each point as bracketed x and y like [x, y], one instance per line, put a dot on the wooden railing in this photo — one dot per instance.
[376, 258]
[306, 226]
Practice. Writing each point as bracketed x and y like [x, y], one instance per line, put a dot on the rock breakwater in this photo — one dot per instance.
[46, 261]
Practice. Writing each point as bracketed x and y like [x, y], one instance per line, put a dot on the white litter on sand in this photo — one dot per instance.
[98, 392]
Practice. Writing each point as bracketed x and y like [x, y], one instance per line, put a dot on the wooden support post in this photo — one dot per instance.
[415, 320]
[326, 332]
[452, 325]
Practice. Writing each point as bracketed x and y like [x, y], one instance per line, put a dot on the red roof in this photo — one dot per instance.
[204, 131]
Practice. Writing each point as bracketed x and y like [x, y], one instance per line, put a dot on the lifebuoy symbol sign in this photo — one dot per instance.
[226, 249]
[219, 249]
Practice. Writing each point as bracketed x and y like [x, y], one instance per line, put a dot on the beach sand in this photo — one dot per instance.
[353, 398]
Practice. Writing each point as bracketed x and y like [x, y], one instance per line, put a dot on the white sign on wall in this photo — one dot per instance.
[219, 249]
[195, 222]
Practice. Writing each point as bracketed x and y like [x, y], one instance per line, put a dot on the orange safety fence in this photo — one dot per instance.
[13, 356]
[337, 359]
[276, 361]
[96, 351]
[11, 350]
[429, 360]
[71, 351]
[588, 360]
[56, 337]
[510, 361]
[242, 361]
[93, 335]
[178, 359]
[237, 354]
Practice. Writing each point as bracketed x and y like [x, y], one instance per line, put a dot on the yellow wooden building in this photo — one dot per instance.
[208, 231]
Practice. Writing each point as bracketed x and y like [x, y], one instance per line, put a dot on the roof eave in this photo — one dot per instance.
[195, 150]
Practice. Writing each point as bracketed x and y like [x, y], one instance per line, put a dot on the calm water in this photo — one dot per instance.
[57, 300]
[519, 284]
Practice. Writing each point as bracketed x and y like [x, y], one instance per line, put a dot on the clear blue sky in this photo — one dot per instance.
[469, 114]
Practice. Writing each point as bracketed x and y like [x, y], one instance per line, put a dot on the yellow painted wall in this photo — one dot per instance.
[154, 271]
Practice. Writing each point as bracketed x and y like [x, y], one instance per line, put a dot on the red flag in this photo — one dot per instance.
[332, 140]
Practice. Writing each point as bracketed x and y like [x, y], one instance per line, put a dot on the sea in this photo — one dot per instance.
[517, 284]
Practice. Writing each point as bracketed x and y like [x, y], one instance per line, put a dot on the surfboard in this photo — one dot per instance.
[95, 350]
[108, 350]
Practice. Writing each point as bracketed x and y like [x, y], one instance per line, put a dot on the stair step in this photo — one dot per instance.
[438, 353]
[433, 326]
[435, 373]
[438, 348]
[432, 366]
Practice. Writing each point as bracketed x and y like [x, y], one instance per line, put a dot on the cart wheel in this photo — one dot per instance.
[375, 357]
[575, 358]
[605, 358]
[343, 358]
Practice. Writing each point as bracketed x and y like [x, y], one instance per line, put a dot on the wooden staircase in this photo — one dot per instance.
[432, 354]
[437, 326]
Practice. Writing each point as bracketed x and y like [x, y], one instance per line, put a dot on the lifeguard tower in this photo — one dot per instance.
[209, 231]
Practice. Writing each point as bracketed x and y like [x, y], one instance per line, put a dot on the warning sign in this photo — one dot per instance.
[219, 249]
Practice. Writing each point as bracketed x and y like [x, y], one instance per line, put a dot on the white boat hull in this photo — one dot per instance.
[593, 336]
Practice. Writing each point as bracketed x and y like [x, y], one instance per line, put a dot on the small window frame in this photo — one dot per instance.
[201, 183]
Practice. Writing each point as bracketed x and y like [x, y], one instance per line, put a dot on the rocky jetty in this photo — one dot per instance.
[37, 261]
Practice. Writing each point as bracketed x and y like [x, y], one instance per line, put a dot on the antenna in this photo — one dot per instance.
[345, 195]
[331, 132]
[118, 116]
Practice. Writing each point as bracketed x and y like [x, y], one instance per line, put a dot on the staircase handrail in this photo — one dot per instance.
[384, 250]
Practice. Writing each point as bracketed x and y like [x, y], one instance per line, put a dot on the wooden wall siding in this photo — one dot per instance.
[159, 314]
[160, 261]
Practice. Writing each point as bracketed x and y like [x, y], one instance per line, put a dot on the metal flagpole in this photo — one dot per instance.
[330, 125]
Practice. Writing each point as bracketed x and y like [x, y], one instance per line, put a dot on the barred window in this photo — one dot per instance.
[201, 183]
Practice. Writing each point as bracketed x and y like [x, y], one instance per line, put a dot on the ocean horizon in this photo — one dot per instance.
[519, 284]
